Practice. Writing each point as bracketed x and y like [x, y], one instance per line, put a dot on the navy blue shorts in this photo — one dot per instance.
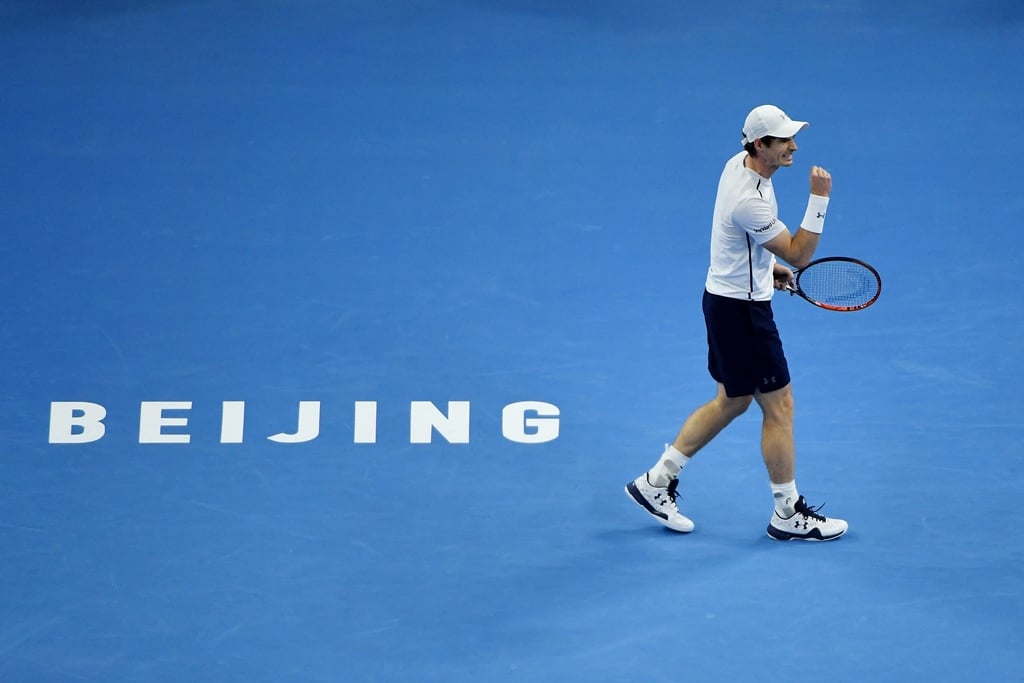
[744, 349]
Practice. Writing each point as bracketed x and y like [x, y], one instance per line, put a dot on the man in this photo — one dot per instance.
[745, 355]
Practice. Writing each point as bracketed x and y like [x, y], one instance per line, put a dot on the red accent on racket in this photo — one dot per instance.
[838, 283]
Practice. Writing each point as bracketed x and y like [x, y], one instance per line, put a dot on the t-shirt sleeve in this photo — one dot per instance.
[757, 218]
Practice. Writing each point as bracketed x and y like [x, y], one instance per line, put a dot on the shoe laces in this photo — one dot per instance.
[673, 491]
[807, 511]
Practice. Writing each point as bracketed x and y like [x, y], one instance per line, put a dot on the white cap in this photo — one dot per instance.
[770, 120]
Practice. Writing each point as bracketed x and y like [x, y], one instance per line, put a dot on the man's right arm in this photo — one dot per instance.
[798, 249]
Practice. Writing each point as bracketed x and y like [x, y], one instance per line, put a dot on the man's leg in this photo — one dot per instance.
[702, 426]
[655, 490]
[793, 518]
[777, 446]
[706, 422]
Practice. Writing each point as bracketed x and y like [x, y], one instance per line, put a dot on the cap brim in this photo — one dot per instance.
[788, 129]
[785, 129]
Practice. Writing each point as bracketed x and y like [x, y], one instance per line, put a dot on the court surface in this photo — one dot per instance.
[371, 230]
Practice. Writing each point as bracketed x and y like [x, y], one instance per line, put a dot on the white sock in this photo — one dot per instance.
[785, 498]
[668, 467]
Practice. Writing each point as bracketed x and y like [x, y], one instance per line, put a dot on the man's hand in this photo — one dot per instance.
[783, 276]
[821, 181]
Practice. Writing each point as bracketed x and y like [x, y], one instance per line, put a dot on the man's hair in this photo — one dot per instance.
[767, 141]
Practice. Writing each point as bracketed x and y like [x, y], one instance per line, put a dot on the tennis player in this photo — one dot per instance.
[745, 354]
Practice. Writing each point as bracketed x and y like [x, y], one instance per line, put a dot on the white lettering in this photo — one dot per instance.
[232, 422]
[515, 426]
[527, 422]
[152, 421]
[365, 422]
[76, 422]
[424, 418]
[309, 424]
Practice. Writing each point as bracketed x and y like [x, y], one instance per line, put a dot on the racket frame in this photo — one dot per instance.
[795, 287]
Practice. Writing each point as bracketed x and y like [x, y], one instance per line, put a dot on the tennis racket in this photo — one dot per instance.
[837, 283]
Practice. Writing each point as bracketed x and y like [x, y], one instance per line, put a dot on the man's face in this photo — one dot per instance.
[779, 153]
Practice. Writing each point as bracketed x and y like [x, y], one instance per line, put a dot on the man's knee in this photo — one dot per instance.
[777, 405]
[734, 406]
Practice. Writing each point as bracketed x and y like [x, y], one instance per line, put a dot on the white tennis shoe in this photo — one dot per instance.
[805, 525]
[660, 502]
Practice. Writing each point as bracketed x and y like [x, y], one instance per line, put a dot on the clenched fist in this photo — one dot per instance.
[821, 181]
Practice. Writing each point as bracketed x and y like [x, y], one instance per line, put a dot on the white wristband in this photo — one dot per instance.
[814, 218]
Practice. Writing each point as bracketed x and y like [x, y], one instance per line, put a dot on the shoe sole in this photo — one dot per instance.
[814, 535]
[639, 499]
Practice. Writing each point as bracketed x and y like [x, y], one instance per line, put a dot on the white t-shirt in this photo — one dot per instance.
[746, 216]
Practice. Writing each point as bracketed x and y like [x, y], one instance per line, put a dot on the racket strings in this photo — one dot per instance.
[839, 283]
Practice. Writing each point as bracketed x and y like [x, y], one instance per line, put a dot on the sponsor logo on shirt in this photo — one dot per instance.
[767, 227]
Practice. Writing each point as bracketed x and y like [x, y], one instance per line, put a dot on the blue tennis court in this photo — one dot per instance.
[335, 330]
